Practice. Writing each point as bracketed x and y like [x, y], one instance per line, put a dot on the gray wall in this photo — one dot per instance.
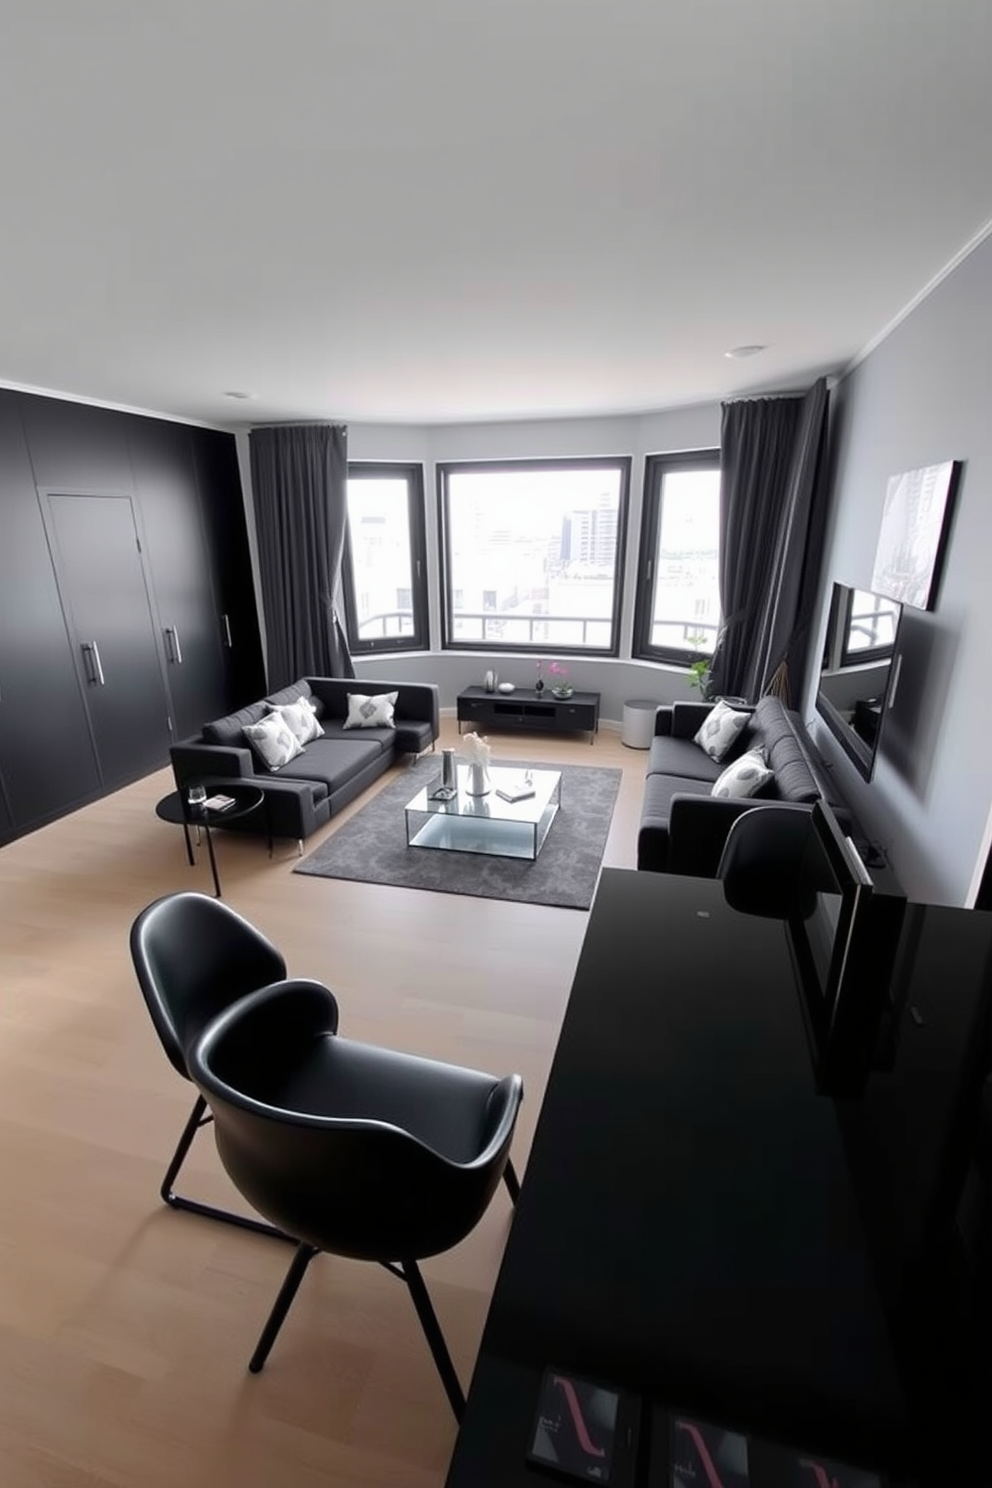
[921, 397]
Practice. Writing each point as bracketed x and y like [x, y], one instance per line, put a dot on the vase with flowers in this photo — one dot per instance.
[478, 752]
[539, 684]
[560, 685]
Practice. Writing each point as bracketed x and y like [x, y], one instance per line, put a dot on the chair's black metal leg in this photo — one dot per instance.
[512, 1181]
[435, 1338]
[297, 1270]
[200, 1116]
[197, 1118]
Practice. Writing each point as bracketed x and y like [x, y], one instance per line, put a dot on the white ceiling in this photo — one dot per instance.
[442, 210]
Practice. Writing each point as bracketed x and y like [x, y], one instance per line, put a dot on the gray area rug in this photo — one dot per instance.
[371, 847]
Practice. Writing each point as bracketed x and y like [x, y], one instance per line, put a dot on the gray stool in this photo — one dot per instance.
[638, 722]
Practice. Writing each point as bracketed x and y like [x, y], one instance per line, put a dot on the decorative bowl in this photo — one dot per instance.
[506, 687]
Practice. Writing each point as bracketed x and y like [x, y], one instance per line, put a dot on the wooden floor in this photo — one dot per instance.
[125, 1328]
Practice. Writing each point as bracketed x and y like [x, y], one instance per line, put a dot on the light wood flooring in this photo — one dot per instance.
[125, 1328]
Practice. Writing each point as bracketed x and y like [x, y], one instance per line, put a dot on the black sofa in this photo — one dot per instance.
[330, 772]
[683, 828]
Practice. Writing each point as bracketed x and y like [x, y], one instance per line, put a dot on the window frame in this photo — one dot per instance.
[444, 468]
[413, 473]
[656, 467]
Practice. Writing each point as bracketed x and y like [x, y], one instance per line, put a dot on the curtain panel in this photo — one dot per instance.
[299, 476]
[773, 517]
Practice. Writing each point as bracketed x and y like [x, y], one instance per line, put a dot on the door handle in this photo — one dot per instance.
[227, 631]
[173, 650]
[91, 663]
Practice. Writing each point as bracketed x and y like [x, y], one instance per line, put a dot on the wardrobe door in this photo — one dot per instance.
[47, 759]
[179, 562]
[102, 583]
[219, 480]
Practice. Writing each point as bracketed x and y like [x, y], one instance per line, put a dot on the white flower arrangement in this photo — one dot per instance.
[476, 749]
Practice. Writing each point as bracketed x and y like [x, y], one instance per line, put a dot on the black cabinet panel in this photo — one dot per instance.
[102, 583]
[47, 760]
[179, 561]
[223, 505]
[77, 446]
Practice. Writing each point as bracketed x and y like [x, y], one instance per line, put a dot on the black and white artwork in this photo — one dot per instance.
[913, 537]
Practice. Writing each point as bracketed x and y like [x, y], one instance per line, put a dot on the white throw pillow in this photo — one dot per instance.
[744, 777]
[301, 718]
[371, 712]
[719, 729]
[273, 741]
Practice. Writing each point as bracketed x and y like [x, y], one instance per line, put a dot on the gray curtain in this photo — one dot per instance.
[772, 508]
[299, 476]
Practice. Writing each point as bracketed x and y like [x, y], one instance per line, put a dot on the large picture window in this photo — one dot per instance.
[532, 554]
[384, 568]
[677, 615]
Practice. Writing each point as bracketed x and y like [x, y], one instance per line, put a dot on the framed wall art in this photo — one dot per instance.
[913, 538]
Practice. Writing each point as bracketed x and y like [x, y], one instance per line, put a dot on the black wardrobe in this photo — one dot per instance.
[127, 609]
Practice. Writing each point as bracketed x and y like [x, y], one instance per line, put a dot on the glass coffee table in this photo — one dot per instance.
[487, 824]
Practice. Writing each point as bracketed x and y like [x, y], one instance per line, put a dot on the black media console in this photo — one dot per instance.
[527, 709]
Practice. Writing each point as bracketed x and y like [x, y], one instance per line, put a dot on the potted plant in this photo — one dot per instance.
[560, 685]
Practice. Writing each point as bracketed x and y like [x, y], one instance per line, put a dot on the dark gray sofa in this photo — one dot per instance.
[683, 828]
[330, 772]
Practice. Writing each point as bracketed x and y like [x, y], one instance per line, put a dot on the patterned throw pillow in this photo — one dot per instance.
[300, 717]
[273, 741]
[719, 729]
[371, 712]
[744, 777]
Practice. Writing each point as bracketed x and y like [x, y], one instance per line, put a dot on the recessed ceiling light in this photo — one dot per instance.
[736, 353]
[235, 393]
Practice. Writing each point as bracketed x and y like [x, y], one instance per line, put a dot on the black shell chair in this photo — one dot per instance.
[194, 956]
[350, 1148]
[761, 860]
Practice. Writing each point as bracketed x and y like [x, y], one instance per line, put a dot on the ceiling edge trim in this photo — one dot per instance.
[172, 418]
[917, 300]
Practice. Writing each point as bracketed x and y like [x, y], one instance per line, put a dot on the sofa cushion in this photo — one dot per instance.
[293, 693]
[366, 712]
[682, 758]
[743, 777]
[230, 730]
[720, 729]
[333, 761]
[301, 718]
[273, 741]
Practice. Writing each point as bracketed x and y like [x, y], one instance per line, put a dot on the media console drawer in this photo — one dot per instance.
[527, 709]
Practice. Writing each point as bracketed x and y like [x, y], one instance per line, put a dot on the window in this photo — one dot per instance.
[384, 569]
[532, 554]
[677, 615]
[869, 627]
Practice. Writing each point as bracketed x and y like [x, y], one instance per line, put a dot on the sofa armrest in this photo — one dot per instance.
[193, 760]
[417, 702]
[663, 722]
[294, 808]
[697, 831]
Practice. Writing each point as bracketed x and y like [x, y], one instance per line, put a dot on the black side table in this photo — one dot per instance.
[175, 808]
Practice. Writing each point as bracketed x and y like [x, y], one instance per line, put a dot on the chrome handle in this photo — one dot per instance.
[173, 650]
[227, 631]
[91, 663]
[99, 668]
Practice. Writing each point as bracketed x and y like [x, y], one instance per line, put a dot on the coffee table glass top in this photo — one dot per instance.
[487, 824]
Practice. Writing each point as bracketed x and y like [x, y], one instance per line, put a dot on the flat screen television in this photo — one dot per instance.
[844, 937]
[859, 671]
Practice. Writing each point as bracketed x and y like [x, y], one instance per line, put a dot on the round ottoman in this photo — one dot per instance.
[638, 722]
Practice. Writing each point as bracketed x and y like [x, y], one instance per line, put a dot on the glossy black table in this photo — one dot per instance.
[176, 808]
[688, 1227]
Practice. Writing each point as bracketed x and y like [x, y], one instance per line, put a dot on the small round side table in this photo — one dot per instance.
[175, 808]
